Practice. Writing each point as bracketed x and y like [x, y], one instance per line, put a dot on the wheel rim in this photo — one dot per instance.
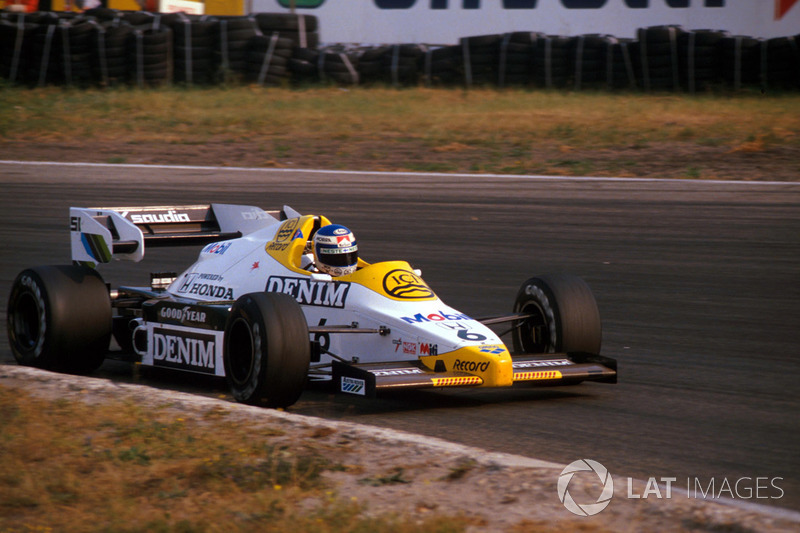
[25, 322]
[240, 351]
[533, 332]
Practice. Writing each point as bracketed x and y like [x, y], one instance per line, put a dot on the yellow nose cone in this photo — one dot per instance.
[491, 362]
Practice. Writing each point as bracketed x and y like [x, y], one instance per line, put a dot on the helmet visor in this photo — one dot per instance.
[338, 257]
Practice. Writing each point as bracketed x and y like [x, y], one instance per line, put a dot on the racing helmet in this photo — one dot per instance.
[335, 250]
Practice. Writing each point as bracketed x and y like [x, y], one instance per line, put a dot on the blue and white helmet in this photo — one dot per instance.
[335, 250]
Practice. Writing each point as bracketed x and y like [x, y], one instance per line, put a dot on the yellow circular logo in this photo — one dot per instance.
[406, 285]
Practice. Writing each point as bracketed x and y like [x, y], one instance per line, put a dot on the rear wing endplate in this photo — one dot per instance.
[99, 234]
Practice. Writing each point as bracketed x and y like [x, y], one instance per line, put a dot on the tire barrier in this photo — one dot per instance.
[303, 30]
[622, 64]
[553, 67]
[194, 42]
[697, 58]
[106, 47]
[16, 48]
[396, 65]
[267, 59]
[110, 52]
[150, 55]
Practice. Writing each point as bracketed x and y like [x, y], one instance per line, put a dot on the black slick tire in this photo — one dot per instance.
[564, 316]
[266, 350]
[59, 318]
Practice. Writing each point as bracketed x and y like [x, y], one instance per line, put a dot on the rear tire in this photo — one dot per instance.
[266, 350]
[564, 316]
[59, 318]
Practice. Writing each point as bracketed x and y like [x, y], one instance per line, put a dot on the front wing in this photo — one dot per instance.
[367, 379]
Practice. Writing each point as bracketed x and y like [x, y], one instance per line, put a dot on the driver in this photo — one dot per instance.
[335, 250]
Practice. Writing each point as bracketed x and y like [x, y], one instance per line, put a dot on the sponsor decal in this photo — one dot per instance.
[441, 316]
[169, 216]
[255, 214]
[184, 350]
[470, 366]
[410, 348]
[276, 246]
[782, 7]
[495, 349]
[286, 230]
[462, 332]
[217, 248]
[406, 285]
[428, 349]
[399, 372]
[531, 4]
[184, 315]
[300, 3]
[193, 284]
[309, 292]
[539, 364]
[353, 386]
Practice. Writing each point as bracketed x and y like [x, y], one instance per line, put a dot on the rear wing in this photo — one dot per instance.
[99, 234]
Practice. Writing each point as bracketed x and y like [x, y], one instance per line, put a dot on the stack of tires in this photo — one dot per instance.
[302, 30]
[303, 66]
[516, 60]
[443, 66]
[697, 50]
[590, 58]
[233, 41]
[16, 47]
[194, 43]
[782, 63]
[396, 65]
[659, 57]
[553, 68]
[110, 52]
[60, 53]
[622, 64]
[739, 61]
[338, 65]
[267, 59]
[150, 55]
[480, 54]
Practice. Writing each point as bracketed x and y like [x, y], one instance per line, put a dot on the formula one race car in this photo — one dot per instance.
[251, 311]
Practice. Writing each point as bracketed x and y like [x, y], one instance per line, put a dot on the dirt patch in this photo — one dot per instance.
[389, 471]
[755, 161]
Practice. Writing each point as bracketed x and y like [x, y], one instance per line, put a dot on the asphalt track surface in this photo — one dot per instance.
[698, 285]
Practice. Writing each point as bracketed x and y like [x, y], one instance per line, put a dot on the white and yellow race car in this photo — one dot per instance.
[254, 309]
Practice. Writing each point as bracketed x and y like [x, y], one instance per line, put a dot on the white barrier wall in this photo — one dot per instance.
[445, 21]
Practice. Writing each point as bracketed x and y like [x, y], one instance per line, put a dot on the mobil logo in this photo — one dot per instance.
[438, 316]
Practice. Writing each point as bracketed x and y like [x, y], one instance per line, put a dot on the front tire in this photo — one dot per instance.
[266, 349]
[564, 316]
[59, 318]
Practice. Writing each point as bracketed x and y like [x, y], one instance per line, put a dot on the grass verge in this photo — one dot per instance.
[118, 467]
[446, 130]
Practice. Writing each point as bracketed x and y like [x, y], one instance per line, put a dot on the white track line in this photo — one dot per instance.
[398, 174]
